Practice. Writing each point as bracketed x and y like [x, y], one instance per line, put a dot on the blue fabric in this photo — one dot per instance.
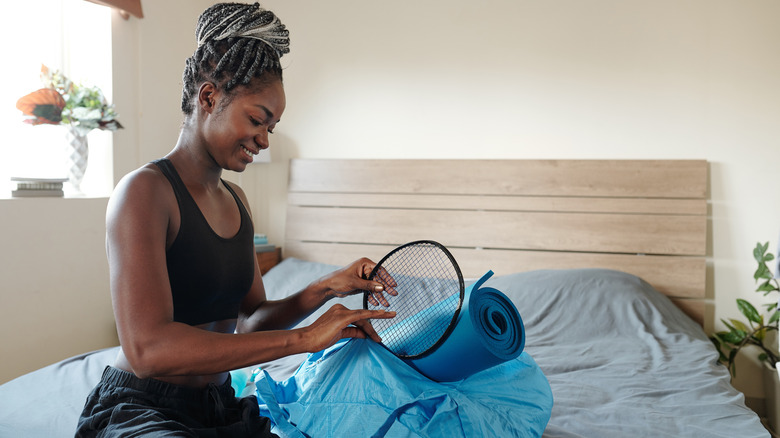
[359, 388]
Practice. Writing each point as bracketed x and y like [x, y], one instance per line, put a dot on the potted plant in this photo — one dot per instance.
[756, 331]
[80, 108]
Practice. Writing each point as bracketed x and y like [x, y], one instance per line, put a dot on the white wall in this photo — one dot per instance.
[53, 282]
[501, 79]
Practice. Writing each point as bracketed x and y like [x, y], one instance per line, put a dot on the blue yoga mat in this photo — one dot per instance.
[488, 332]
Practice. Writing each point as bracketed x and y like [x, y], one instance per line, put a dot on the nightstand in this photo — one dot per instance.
[268, 259]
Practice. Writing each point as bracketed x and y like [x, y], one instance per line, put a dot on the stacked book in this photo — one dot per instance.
[37, 187]
[262, 245]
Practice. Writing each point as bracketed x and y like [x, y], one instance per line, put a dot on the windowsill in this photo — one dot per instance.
[92, 191]
[8, 197]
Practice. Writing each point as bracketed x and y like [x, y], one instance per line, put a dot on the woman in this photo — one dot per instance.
[187, 292]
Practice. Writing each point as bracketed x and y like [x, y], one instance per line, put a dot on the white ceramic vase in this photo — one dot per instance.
[78, 157]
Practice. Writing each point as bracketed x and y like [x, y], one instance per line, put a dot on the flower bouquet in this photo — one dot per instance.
[79, 107]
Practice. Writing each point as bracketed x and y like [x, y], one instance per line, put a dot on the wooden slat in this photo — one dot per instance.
[645, 217]
[502, 203]
[590, 178]
[695, 309]
[681, 235]
[675, 276]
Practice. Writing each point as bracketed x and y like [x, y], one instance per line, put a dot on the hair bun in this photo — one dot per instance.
[239, 20]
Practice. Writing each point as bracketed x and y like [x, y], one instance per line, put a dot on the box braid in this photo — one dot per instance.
[236, 43]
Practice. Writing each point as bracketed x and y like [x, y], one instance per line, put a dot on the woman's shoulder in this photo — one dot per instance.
[239, 192]
[145, 186]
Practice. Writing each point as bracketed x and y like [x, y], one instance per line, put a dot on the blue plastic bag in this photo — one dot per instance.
[358, 388]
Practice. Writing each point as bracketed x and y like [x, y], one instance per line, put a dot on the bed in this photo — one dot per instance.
[604, 259]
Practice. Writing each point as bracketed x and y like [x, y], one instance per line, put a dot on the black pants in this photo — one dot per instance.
[124, 405]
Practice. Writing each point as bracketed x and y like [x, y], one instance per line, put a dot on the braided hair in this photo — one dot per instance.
[237, 42]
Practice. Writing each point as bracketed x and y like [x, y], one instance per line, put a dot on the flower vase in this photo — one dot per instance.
[78, 157]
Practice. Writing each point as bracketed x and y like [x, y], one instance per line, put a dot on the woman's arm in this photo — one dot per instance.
[257, 313]
[138, 218]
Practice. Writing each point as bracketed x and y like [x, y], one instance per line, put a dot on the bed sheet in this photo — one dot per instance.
[46, 403]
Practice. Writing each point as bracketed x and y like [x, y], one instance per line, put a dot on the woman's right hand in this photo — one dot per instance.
[353, 279]
[339, 322]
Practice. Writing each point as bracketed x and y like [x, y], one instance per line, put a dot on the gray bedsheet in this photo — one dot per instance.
[621, 359]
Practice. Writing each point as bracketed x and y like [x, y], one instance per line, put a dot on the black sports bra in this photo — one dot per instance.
[209, 275]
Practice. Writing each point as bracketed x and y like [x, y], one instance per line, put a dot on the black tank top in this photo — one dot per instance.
[209, 275]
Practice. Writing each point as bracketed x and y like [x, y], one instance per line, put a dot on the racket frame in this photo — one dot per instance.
[455, 315]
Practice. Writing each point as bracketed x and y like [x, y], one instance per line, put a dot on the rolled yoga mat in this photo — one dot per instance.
[488, 332]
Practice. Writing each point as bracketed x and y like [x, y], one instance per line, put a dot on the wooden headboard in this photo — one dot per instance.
[644, 217]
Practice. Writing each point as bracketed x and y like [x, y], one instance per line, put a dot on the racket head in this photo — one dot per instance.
[430, 292]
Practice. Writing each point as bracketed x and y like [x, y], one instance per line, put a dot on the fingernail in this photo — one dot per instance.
[378, 288]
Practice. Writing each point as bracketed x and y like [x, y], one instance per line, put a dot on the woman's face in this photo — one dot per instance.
[236, 131]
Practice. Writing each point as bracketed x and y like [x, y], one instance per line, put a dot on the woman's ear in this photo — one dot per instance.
[207, 97]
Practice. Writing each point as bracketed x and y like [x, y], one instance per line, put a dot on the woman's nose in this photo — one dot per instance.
[262, 140]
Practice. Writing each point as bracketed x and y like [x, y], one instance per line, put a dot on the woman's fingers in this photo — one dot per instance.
[387, 280]
[383, 282]
[339, 322]
[364, 326]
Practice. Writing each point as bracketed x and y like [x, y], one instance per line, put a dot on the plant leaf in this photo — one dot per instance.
[758, 252]
[762, 272]
[721, 357]
[760, 335]
[739, 325]
[748, 310]
[733, 337]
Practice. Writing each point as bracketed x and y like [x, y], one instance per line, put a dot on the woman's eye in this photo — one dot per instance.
[255, 121]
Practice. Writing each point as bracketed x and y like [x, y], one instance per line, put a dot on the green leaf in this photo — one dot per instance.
[762, 357]
[760, 335]
[758, 252]
[748, 310]
[733, 337]
[720, 338]
[739, 325]
[766, 286]
[775, 317]
[762, 272]
[716, 341]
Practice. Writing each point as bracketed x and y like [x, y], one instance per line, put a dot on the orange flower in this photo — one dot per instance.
[44, 105]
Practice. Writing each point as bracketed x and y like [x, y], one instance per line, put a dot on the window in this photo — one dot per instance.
[73, 36]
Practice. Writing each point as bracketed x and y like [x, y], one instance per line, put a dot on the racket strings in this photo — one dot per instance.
[429, 295]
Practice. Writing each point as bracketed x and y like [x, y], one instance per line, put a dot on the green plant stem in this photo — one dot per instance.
[772, 358]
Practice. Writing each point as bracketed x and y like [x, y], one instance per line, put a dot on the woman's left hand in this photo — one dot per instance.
[353, 279]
